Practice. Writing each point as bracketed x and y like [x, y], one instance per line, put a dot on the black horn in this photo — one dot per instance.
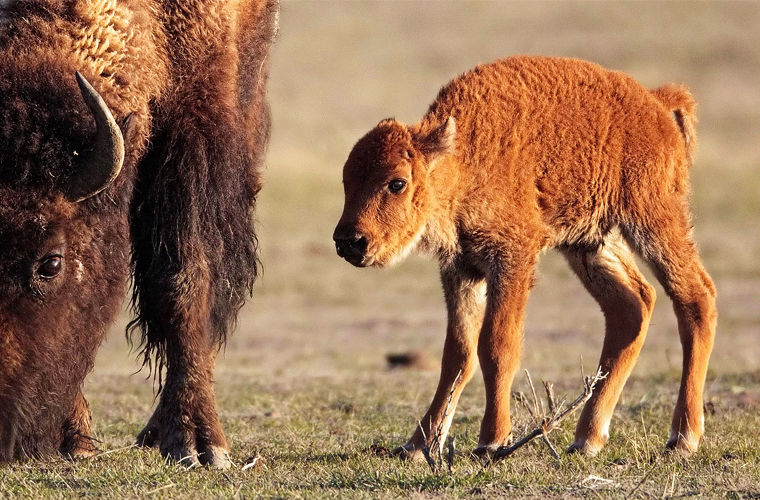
[95, 170]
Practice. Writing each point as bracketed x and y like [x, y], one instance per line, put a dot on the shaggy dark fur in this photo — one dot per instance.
[192, 77]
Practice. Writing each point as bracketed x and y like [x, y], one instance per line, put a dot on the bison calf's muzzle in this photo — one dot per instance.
[350, 245]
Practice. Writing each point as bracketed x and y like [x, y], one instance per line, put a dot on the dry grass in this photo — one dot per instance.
[304, 381]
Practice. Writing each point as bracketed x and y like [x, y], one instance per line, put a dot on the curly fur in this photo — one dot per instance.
[192, 75]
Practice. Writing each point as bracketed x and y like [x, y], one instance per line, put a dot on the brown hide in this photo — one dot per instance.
[525, 154]
[179, 212]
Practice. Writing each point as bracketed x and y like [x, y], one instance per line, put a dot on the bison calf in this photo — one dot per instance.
[525, 154]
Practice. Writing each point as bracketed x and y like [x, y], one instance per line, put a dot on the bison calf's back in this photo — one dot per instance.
[520, 155]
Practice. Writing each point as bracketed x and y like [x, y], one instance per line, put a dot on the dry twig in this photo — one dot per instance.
[523, 400]
[435, 445]
[116, 450]
[549, 387]
[536, 402]
[450, 456]
[550, 423]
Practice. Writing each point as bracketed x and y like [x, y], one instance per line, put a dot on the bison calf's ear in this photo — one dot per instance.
[439, 141]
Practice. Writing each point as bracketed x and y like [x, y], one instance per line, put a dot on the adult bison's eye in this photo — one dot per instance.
[396, 185]
[50, 266]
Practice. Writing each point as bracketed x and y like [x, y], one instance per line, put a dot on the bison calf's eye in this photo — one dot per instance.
[396, 185]
[50, 266]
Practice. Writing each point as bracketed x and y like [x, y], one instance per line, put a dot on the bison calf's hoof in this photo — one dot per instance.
[408, 452]
[485, 453]
[682, 445]
[585, 448]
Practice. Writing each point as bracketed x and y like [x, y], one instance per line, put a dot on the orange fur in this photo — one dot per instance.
[530, 153]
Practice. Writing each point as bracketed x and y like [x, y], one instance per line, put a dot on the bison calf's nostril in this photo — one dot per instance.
[349, 244]
[360, 244]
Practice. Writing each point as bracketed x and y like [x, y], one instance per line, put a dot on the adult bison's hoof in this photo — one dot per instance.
[192, 446]
[77, 432]
[84, 447]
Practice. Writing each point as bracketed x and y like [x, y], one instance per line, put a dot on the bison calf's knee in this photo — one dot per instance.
[499, 169]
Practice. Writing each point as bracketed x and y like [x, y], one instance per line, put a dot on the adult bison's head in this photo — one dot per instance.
[389, 197]
[63, 258]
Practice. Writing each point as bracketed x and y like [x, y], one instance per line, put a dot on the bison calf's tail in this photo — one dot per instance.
[679, 101]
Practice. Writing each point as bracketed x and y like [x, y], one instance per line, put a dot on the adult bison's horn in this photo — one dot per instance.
[102, 164]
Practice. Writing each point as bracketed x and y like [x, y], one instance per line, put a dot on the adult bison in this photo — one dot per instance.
[130, 133]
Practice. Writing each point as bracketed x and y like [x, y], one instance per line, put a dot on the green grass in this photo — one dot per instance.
[317, 436]
[303, 382]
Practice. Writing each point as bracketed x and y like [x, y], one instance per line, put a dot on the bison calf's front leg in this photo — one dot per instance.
[465, 301]
[499, 350]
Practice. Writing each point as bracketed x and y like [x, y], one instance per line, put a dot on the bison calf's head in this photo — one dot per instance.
[390, 196]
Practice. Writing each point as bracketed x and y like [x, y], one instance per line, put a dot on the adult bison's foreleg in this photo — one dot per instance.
[185, 425]
[465, 302]
[194, 261]
[500, 345]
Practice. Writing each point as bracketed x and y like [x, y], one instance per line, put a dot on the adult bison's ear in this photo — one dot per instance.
[439, 141]
[96, 169]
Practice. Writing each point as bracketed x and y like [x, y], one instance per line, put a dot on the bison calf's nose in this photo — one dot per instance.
[350, 245]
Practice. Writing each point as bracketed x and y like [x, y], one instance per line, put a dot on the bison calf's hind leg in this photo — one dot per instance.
[669, 248]
[627, 300]
[465, 302]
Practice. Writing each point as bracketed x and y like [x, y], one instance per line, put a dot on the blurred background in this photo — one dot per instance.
[336, 70]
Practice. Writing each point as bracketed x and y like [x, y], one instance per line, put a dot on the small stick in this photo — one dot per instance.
[549, 387]
[550, 423]
[520, 397]
[551, 447]
[535, 398]
[103, 453]
[426, 451]
[155, 490]
[436, 441]
[450, 457]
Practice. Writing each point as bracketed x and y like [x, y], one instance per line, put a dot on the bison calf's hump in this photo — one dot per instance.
[523, 154]
[130, 139]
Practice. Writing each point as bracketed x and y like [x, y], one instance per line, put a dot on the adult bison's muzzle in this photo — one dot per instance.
[350, 245]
